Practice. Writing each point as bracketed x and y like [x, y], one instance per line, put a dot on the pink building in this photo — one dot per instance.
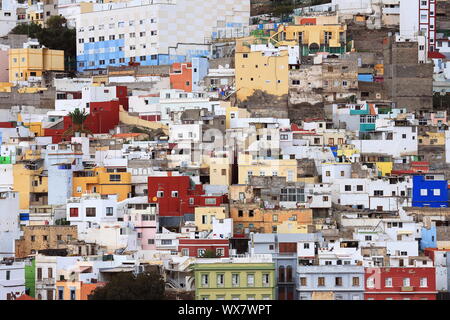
[144, 217]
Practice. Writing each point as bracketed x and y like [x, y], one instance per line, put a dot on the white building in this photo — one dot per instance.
[9, 222]
[12, 279]
[154, 32]
[418, 18]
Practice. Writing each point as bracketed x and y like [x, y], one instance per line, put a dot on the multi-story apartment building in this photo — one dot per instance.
[153, 33]
[247, 278]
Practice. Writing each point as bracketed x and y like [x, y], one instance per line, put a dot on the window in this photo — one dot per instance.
[185, 252]
[321, 281]
[114, 177]
[296, 82]
[359, 187]
[306, 246]
[327, 173]
[160, 194]
[265, 279]
[109, 211]
[90, 212]
[44, 238]
[220, 279]
[205, 280]
[370, 283]
[303, 281]
[378, 192]
[406, 282]
[73, 212]
[201, 252]
[423, 192]
[235, 279]
[348, 187]
[174, 194]
[210, 201]
[338, 281]
[436, 192]
[250, 280]
[355, 281]
[39, 273]
[388, 282]
[423, 282]
[8, 275]
[220, 252]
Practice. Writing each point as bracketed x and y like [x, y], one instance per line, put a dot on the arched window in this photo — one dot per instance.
[281, 274]
[289, 274]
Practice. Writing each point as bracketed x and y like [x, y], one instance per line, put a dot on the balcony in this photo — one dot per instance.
[407, 289]
[45, 282]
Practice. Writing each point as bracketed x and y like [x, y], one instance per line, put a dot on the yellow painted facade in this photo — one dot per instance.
[5, 86]
[99, 180]
[28, 62]
[204, 215]
[310, 34]
[220, 171]
[234, 113]
[432, 139]
[255, 71]
[292, 227]
[384, 167]
[27, 182]
[262, 167]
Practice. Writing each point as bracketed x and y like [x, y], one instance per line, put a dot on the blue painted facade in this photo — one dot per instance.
[364, 77]
[200, 68]
[24, 216]
[428, 238]
[435, 196]
[111, 56]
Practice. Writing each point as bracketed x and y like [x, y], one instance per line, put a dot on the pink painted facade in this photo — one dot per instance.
[144, 218]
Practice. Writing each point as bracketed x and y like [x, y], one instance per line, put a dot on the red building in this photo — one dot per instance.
[103, 117]
[181, 76]
[400, 283]
[197, 247]
[177, 197]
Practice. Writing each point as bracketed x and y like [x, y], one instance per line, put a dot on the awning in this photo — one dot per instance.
[68, 161]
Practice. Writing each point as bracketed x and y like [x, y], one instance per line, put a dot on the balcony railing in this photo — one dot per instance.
[45, 282]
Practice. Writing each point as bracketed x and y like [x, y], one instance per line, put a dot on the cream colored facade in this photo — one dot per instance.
[205, 215]
[220, 171]
[29, 62]
[266, 167]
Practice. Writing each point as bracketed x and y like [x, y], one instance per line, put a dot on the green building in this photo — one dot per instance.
[234, 280]
[5, 160]
[30, 282]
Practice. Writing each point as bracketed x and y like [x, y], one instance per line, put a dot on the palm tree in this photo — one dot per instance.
[78, 117]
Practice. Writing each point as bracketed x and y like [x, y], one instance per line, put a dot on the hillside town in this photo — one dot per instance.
[225, 150]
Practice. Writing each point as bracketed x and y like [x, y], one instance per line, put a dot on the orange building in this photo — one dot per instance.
[181, 76]
[75, 290]
[261, 220]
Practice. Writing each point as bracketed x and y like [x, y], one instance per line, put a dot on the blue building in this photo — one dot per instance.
[428, 238]
[428, 192]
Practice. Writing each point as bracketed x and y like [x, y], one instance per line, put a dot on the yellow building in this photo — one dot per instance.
[205, 215]
[234, 113]
[266, 167]
[432, 139]
[31, 184]
[31, 62]
[292, 227]
[102, 180]
[312, 38]
[220, 171]
[256, 70]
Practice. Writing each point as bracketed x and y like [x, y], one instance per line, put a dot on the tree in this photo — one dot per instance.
[55, 35]
[78, 118]
[127, 286]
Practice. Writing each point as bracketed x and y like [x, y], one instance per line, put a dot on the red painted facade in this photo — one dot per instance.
[7, 125]
[194, 247]
[181, 76]
[389, 283]
[103, 117]
[178, 197]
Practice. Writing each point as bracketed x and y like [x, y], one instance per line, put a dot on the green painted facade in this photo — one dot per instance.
[263, 275]
[5, 160]
[30, 282]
